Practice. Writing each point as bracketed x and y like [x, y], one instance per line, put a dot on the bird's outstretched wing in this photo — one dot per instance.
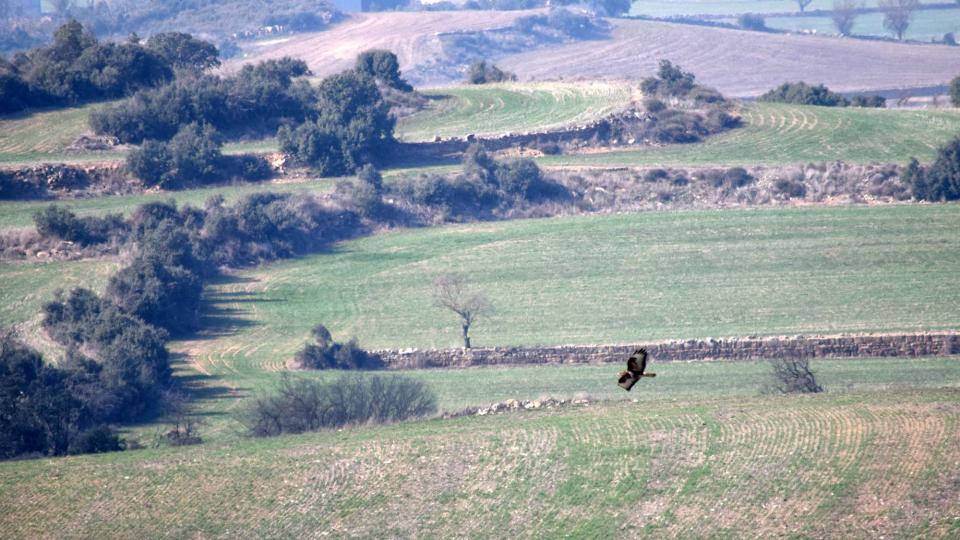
[638, 362]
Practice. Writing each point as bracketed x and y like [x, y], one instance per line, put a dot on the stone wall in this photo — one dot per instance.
[898, 345]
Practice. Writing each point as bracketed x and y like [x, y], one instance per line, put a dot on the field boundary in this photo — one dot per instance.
[749, 348]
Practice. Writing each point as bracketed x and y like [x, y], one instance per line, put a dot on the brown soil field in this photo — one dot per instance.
[738, 63]
[412, 36]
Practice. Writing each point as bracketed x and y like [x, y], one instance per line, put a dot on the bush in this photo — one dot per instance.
[382, 66]
[655, 175]
[254, 102]
[789, 188]
[801, 93]
[96, 440]
[301, 405]
[955, 91]
[56, 222]
[941, 180]
[353, 128]
[752, 21]
[670, 81]
[793, 375]
[192, 156]
[869, 101]
[654, 105]
[483, 73]
[183, 51]
[328, 354]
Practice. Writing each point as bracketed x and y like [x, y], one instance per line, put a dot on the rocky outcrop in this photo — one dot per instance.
[751, 348]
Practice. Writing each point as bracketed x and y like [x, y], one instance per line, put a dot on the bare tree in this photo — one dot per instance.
[897, 15]
[844, 14]
[803, 4]
[451, 292]
[793, 375]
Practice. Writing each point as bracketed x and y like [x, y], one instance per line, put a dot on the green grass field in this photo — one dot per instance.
[780, 134]
[499, 108]
[603, 279]
[43, 137]
[19, 214]
[926, 25]
[840, 464]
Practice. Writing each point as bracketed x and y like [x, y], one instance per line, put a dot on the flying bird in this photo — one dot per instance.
[635, 369]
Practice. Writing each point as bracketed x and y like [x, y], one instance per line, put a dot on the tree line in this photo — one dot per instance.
[77, 68]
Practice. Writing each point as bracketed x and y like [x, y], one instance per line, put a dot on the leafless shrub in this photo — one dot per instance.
[792, 375]
[300, 405]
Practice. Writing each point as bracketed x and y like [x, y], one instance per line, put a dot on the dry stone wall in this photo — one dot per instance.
[896, 345]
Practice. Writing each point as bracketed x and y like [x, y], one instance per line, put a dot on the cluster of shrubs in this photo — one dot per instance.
[485, 188]
[253, 102]
[77, 68]
[46, 410]
[335, 128]
[352, 126]
[60, 223]
[672, 82]
[482, 73]
[801, 93]
[328, 354]
[193, 156]
[939, 181]
[299, 405]
[123, 369]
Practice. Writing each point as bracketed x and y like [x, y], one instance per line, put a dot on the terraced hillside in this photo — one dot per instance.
[491, 110]
[779, 134]
[741, 63]
[850, 465]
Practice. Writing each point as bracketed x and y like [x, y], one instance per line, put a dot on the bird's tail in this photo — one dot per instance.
[649, 375]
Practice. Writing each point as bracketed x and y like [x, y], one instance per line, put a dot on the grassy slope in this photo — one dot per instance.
[852, 465]
[495, 109]
[779, 134]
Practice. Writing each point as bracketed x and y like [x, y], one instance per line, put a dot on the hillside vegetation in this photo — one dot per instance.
[839, 464]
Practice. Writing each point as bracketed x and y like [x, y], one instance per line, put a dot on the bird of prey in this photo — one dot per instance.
[635, 369]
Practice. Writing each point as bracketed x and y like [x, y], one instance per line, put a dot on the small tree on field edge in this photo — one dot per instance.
[451, 293]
